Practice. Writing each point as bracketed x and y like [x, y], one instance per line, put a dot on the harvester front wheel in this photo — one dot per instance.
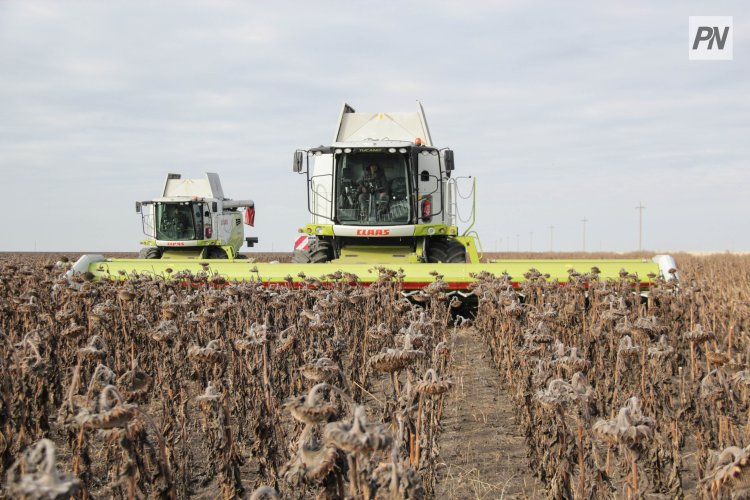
[215, 253]
[446, 251]
[320, 251]
[149, 253]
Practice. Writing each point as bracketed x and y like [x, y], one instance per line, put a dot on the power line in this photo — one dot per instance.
[584, 220]
[640, 209]
[551, 238]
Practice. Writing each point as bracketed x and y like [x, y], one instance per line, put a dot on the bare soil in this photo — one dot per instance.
[482, 449]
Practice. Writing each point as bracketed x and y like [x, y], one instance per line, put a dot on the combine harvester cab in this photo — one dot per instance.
[381, 196]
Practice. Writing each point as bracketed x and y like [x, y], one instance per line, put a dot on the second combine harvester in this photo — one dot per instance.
[381, 195]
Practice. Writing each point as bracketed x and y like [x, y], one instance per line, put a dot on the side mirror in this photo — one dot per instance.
[214, 207]
[448, 158]
[424, 176]
[297, 166]
[137, 207]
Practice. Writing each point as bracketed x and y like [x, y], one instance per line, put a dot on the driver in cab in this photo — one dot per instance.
[373, 182]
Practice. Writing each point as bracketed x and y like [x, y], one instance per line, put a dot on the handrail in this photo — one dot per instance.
[473, 208]
[478, 244]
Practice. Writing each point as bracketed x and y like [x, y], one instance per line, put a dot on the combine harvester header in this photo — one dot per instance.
[458, 277]
[381, 196]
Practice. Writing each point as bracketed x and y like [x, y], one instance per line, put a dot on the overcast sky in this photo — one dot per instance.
[560, 111]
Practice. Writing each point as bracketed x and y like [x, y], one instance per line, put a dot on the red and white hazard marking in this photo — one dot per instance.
[302, 243]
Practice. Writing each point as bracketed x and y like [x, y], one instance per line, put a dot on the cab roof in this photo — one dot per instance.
[369, 127]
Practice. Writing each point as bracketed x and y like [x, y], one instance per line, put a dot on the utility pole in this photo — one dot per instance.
[551, 238]
[531, 241]
[640, 209]
[518, 242]
[584, 220]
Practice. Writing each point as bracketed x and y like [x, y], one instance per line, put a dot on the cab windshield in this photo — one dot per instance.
[372, 189]
[178, 221]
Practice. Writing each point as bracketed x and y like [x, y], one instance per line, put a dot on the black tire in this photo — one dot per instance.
[301, 257]
[216, 253]
[149, 253]
[320, 251]
[446, 251]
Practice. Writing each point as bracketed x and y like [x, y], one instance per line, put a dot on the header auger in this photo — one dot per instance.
[381, 196]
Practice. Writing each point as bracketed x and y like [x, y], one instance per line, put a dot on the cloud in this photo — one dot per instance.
[561, 111]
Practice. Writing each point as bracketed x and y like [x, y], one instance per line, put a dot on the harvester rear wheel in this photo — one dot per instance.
[320, 251]
[446, 251]
[215, 253]
[149, 253]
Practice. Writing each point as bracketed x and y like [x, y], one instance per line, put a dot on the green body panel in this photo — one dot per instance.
[419, 250]
[376, 255]
[394, 255]
[191, 253]
[417, 275]
[435, 230]
[194, 252]
[419, 230]
[318, 229]
[471, 248]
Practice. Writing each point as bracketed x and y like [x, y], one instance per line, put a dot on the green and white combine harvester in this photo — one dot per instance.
[380, 196]
[193, 220]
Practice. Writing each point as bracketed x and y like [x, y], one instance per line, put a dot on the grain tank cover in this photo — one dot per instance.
[210, 187]
[357, 127]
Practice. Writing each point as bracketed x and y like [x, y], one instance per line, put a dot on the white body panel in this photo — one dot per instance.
[666, 262]
[82, 264]
[357, 127]
[224, 225]
[374, 231]
[210, 187]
